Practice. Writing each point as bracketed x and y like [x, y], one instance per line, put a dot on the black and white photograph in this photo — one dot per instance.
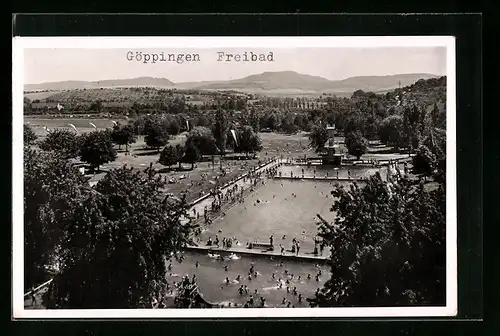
[234, 177]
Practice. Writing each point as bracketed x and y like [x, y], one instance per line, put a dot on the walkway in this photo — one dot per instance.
[317, 178]
[256, 252]
[199, 205]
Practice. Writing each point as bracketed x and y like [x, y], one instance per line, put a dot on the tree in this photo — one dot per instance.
[230, 143]
[191, 154]
[390, 131]
[123, 135]
[424, 162]
[169, 156]
[387, 244]
[203, 121]
[253, 120]
[288, 124]
[97, 149]
[156, 135]
[356, 144]
[220, 130]
[203, 139]
[179, 152]
[249, 141]
[173, 127]
[318, 137]
[29, 135]
[118, 242]
[51, 188]
[272, 121]
[63, 141]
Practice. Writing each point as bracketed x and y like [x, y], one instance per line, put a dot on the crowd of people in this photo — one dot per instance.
[283, 279]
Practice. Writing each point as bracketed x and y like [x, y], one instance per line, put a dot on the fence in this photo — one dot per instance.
[36, 289]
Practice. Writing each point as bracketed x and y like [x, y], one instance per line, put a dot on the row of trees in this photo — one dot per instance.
[96, 148]
[412, 127]
[388, 240]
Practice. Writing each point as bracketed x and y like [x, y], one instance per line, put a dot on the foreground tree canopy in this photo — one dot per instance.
[116, 239]
[387, 245]
[52, 187]
[29, 135]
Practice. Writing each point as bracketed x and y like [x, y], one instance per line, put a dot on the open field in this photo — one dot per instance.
[40, 95]
[81, 124]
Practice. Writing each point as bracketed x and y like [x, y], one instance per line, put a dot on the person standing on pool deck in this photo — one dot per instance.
[298, 247]
[271, 240]
[33, 296]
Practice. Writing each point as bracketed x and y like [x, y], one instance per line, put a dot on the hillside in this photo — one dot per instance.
[271, 81]
[377, 83]
[281, 81]
[290, 80]
[73, 85]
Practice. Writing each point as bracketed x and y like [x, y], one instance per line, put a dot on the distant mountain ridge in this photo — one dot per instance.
[266, 81]
[72, 85]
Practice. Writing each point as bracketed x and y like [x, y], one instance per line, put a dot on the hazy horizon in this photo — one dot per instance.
[58, 65]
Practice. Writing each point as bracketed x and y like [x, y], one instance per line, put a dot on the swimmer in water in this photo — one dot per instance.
[197, 264]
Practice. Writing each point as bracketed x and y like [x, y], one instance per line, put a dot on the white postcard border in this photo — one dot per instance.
[21, 43]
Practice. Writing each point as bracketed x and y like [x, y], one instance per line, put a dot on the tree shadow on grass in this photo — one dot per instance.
[174, 169]
[151, 152]
[142, 149]
[389, 150]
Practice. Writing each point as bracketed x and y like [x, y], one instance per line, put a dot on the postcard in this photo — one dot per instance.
[232, 177]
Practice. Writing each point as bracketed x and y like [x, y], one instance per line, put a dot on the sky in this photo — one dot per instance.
[53, 65]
